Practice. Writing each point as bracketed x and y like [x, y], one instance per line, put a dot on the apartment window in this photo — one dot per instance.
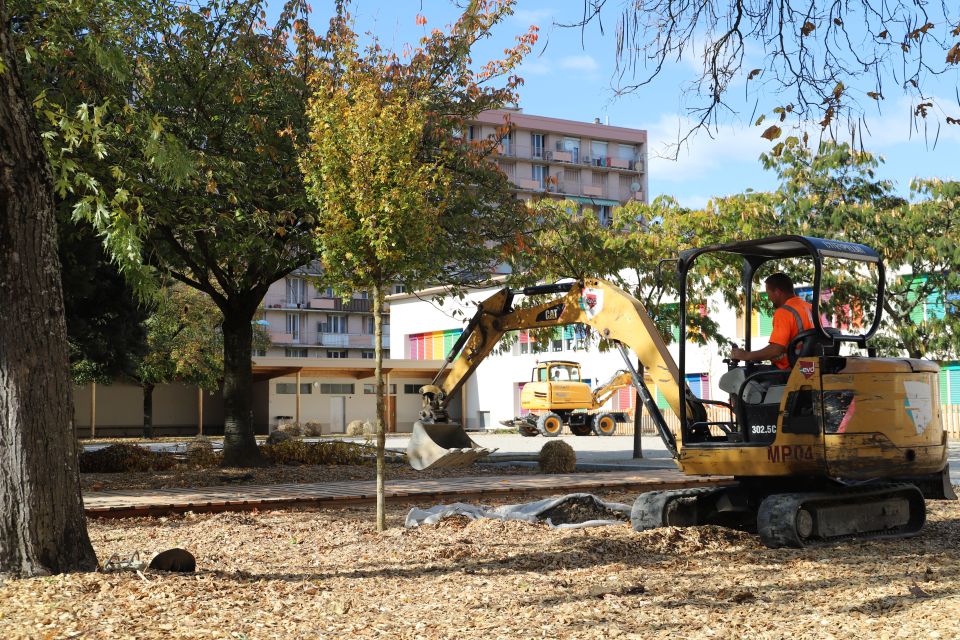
[472, 133]
[368, 355]
[371, 389]
[536, 145]
[411, 389]
[339, 353]
[295, 352]
[362, 295]
[328, 292]
[334, 324]
[604, 215]
[509, 168]
[626, 152]
[293, 326]
[290, 388]
[296, 290]
[540, 174]
[337, 388]
[399, 288]
[599, 179]
[368, 327]
[506, 144]
[598, 150]
[573, 146]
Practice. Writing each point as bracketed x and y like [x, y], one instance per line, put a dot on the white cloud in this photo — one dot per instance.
[717, 151]
[584, 63]
[538, 17]
[534, 67]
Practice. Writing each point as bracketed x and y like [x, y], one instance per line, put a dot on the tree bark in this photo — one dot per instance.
[42, 529]
[239, 443]
[381, 430]
[148, 410]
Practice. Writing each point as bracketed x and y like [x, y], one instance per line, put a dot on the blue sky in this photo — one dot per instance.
[569, 75]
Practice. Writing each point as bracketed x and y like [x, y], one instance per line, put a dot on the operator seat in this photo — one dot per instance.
[806, 344]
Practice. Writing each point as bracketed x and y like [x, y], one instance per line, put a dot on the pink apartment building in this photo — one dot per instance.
[306, 320]
[597, 165]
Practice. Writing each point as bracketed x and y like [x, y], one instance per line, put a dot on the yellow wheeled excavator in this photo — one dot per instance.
[556, 396]
[835, 446]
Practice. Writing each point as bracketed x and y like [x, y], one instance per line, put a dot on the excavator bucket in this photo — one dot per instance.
[445, 444]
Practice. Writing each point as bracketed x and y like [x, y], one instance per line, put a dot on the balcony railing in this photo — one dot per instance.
[529, 185]
[349, 340]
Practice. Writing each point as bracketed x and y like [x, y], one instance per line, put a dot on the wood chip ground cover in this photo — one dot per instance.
[185, 475]
[327, 574]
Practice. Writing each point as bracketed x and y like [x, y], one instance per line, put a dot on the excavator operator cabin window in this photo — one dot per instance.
[565, 373]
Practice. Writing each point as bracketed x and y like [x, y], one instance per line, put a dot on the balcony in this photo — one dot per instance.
[529, 185]
[619, 163]
[323, 303]
[281, 338]
[349, 340]
[592, 191]
[562, 156]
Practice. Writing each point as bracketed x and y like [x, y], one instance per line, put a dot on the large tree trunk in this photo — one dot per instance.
[381, 423]
[42, 529]
[239, 444]
[148, 410]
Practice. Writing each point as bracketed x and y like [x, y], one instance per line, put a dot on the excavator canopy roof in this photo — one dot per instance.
[777, 247]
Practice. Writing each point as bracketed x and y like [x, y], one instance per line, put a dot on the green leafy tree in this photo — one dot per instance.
[184, 344]
[105, 330]
[179, 150]
[399, 195]
[572, 243]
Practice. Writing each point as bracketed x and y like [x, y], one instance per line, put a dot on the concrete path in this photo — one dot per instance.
[130, 503]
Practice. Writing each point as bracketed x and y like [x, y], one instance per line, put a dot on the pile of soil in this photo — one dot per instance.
[581, 509]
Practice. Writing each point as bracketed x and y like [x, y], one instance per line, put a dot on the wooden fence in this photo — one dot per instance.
[949, 413]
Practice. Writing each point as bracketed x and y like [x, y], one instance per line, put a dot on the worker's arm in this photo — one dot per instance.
[772, 351]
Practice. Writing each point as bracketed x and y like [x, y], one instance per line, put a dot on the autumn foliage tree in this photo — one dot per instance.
[399, 195]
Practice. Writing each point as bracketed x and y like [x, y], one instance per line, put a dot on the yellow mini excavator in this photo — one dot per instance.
[834, 446]
[556, 396]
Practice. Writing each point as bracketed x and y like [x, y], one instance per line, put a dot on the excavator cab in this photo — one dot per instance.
[756, 408]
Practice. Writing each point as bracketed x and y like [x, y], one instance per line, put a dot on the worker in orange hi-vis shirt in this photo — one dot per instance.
[792, 315]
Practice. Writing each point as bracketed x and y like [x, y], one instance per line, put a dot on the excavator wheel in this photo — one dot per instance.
[550, 425]
[604, 424]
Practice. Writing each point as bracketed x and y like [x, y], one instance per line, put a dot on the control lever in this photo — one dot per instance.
[731, 363]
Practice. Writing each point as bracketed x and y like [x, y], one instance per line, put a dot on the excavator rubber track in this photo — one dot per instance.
[670, 508]
[875, 511]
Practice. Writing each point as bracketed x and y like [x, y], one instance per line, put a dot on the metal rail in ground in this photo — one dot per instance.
[138, 503]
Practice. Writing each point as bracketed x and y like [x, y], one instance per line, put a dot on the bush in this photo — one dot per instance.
[311, 429]
[201, 454]
[291, 428]
[557, 457]
[300, 452]
[355, 428]
[276, 437]
[124, 458]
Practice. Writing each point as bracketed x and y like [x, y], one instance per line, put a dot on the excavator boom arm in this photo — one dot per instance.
[612, 312]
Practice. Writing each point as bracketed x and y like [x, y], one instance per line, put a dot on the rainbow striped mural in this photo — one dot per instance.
[432, 345]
